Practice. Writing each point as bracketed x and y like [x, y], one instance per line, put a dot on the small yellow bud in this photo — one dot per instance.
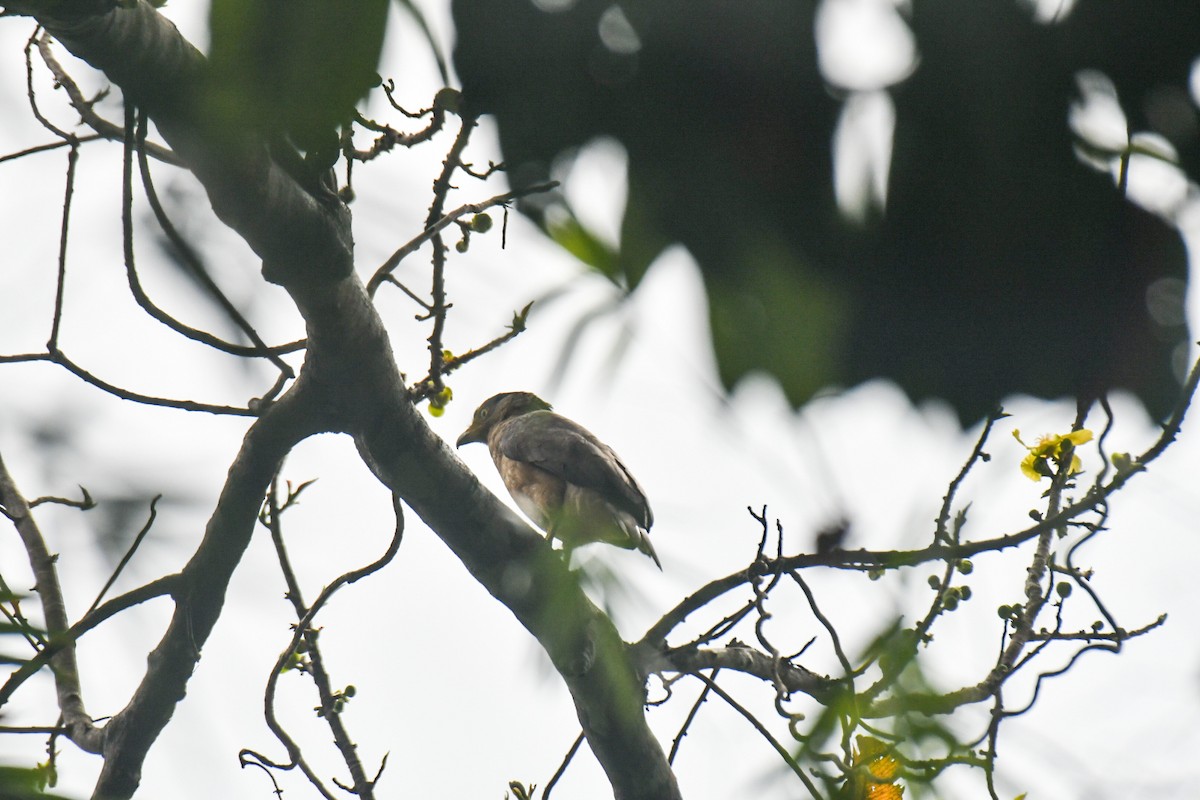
[1125, 463]
[437, 403]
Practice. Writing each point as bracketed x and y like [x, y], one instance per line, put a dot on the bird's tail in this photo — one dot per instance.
[644, 546]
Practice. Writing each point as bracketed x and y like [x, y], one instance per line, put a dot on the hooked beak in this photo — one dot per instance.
[471, 434]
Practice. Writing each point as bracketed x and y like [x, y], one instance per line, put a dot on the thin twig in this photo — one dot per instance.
[873, 559]
[941, 534]
[863, 559]
[425, 388]
[31, 95]
[86, 504]
[36, 729]
[15, 615]
[723, 626]
[687, 722]
[389, 137]
[782, 693]
[411, 294]
[156, 588]
[60, 358]
[410, 247]
[825, 623]
[437, 292]
[137, 542]
[64, 228]
[270, 516]
[762, 731]
[41, 148]
[562, 768]
[303, 630]
[87, 110]
[197, 270]
[136, 129]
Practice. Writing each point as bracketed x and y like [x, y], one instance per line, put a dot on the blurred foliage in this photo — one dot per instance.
[21, 783]
[1002, 262]
[294, 67]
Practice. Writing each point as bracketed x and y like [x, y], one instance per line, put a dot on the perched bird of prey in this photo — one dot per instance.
[565, 479]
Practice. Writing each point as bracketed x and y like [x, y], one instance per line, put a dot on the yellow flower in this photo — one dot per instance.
[1049, 451]
[877, 782]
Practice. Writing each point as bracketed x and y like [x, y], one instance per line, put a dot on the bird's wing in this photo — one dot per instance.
[570, 451]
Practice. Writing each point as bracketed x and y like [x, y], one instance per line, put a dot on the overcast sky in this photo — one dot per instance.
[448, 683]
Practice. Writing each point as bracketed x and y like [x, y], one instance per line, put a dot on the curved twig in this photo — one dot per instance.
[414, 244]
[86, 108]
[763, 732]
[196, 269]
[562, 768]
[302, 630]
[941, 534]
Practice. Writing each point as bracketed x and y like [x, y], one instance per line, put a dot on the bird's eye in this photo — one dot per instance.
[483, 412]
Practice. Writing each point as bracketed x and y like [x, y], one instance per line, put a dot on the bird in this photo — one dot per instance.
[571, 484]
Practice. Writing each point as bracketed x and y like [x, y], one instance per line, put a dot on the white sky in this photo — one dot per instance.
[448, 683]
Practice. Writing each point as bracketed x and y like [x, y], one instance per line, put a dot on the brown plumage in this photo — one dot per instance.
[565, 479]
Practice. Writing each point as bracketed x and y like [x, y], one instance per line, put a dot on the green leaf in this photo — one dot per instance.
[570, 234]
[26, 783]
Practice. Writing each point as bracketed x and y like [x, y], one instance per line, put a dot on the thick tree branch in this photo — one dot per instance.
[518, 567]
[199, 594]
[741, 658]
[351, 376]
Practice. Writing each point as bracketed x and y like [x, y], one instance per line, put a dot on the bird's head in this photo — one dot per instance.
[498, 408]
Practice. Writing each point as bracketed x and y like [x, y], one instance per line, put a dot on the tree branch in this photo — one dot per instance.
[156, 588]
[199, 595]
[435, 227]
[87, 112]
[141, 51]
[519, 568]
[76, 721]
[740, 658]
[351, 376]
